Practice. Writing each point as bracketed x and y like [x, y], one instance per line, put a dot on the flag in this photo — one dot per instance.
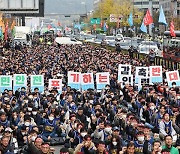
[162, 18]
[6, 32]
[105, 27]
[101, 24]
[42, 24]
[130, 19]
[172, 29]
[148, 18]
[143, 27]
[49, 26]
[13, 24]
[59, 24]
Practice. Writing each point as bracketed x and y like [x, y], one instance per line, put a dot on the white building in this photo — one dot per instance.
[144, 4]
[171, 7]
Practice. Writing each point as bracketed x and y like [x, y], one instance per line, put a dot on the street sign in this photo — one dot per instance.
[113, 18]
[96, 21]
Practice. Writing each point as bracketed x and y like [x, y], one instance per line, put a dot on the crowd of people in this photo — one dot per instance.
[117, 120]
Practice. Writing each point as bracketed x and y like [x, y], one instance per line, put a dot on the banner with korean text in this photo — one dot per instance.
[124, 74]
[37, 81]
[173, 76]
[102, 79]
[74, 80]
[5, 82]
[19, 81]
[155, 74]
[55, 83]
[141, 72]
[87, 81]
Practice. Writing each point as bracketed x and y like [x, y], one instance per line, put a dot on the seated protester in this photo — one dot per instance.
[38, 142]
[101, 148]
[147, 135]
[12, 140]
[22, 136]
[86, 147]
[3, 120]
[80, 115]
[30, 144]
[45, 149]
[36, 116]
[64, 151]
[129, 150]
[15, 120]
[141, 146]
[166, 127]
[156, 148]
[8, 111]
[158, 116]
[28, 122]
[115, 145]
[75, 135]
[70, 122]
[25, 119]
[148, 113]
[131, 128]
[168, 148]
[5, 146]
[50, 127]
[99, 133]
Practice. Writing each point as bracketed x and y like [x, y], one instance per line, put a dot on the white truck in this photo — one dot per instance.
[22, 35]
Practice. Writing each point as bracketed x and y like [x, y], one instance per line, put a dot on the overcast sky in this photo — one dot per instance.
[68, 6]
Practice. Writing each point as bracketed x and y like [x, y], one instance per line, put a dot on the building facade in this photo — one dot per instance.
[144, 4]
[171, 8]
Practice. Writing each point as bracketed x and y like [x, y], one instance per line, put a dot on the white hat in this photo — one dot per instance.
[8, 129]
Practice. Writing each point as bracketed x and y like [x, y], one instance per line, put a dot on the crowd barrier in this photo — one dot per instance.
[167, 63]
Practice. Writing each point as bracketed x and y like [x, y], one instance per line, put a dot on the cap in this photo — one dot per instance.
[8, 129]
[116, 128]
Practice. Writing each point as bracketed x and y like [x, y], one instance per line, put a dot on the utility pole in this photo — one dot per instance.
[151, 12]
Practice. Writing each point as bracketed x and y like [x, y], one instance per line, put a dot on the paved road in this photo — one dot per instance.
[57, 148]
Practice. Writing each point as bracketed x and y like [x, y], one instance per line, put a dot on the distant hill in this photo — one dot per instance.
[68, 6]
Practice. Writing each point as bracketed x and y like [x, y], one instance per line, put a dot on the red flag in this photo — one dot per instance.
[101, 24]
[172, 29]
[59, 24]
[148, 18]
[49, 27]
[6, 32]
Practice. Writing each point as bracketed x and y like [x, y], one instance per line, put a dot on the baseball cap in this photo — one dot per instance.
[116, 128]
[8, 129]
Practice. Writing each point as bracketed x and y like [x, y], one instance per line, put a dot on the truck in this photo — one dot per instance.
[22, 35]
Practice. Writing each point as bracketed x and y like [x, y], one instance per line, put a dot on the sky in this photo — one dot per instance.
[68, 6]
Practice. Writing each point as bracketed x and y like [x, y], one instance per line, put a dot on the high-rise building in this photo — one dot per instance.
[144, 4]
[171, 7]
[96, 4]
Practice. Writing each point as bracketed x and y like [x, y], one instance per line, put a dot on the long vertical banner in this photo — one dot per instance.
[5, 82]
[19, 81]
[37, 81]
